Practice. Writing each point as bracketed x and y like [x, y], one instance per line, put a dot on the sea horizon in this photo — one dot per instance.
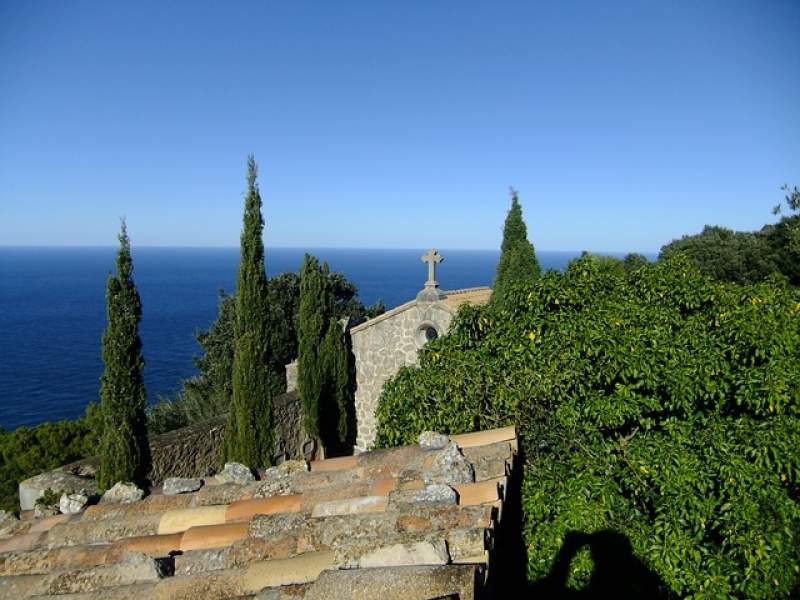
[52, 310]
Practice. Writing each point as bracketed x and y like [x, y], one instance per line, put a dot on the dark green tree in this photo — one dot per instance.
[248, 436]
[124, 450]
[634, 261]
[337, 396]
[313, 317]
[518, 262]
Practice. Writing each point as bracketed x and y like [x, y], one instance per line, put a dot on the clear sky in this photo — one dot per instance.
[395, 124]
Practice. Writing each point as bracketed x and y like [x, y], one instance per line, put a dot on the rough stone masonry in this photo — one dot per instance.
[390, 341]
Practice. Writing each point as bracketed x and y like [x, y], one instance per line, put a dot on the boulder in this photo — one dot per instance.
[180, 485]
[122, 493]
[235, 473]
[59, 482]
[430, 440]
[71, 504]
[449, 467]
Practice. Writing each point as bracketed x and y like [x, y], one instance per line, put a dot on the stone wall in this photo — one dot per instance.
[381, 347]
[194, 451]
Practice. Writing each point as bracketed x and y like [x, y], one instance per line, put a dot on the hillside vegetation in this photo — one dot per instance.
[657, 403]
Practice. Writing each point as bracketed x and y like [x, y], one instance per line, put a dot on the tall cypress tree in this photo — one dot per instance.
[518, 261]
[248, 435]
[313, 317]
[124, 450]
[337, 395]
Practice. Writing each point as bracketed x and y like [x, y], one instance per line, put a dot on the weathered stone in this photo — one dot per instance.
[286, 592]
[350, 506]
[122, 493]
[273, 526]
[402, 555]
[135, 568]
[235, 473]
[286, 469]
[59, 482]
[449, 467]
[9, 523]
[490, 461]
[41, 561]
[468, 545]
[434, 494]
[71, 504]
[278, 480]
[78, 533]
[180, 485]
[398, 583]
[431, 440]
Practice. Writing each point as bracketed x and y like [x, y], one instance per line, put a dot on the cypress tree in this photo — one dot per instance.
[314, 314]
[338, 389]
[124, 450]
[518, 261]
[248, 435]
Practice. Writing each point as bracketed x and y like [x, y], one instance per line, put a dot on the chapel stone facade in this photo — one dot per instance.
[383, 345]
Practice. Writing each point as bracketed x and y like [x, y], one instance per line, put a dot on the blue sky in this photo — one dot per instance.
[395, 124]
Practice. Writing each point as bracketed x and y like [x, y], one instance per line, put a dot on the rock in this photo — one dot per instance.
[71, 504]
[286, 469]
[235, 473]
[449, 467]
[180, 485]
[404, 555]
[278, 480]
[435, 494]
[430, 440]
[59, 482]
[9, 523]
[122, 493]
[41, 511]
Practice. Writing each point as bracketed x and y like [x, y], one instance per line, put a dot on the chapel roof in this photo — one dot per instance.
[451, 301]
[411, 523]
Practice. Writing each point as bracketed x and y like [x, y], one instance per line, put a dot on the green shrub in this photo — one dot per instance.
[657, 403]
[28, 451]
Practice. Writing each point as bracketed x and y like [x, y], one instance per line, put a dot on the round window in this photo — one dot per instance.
[426, 333]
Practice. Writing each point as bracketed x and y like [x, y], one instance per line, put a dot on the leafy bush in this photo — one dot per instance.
[657, 403]
[28, 451]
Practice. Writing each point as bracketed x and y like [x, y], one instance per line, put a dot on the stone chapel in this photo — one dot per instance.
[389, 341]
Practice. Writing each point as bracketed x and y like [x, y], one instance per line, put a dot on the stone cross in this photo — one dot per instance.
[433, 258]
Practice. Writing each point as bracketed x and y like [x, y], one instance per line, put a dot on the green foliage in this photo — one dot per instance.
[208, 394]
[124, 450]
[314, 315]
[657, 403]
[337, 396]
[28, 451]
[518, 262]
[49, 497]
[248, 435]
[634, 261]
[747, 256]
[738, 256]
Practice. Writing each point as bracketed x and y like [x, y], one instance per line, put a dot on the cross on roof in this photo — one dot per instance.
[433, 258]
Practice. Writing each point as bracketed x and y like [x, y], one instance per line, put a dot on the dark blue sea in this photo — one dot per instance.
[52, 311]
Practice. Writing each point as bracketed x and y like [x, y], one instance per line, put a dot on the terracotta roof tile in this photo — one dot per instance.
[287, 536]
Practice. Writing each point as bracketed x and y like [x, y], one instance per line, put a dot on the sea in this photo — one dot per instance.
[52, 311]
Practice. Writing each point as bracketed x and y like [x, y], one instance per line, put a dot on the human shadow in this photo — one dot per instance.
[618, 573]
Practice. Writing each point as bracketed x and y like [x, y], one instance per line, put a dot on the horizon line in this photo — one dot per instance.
[267, 248]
